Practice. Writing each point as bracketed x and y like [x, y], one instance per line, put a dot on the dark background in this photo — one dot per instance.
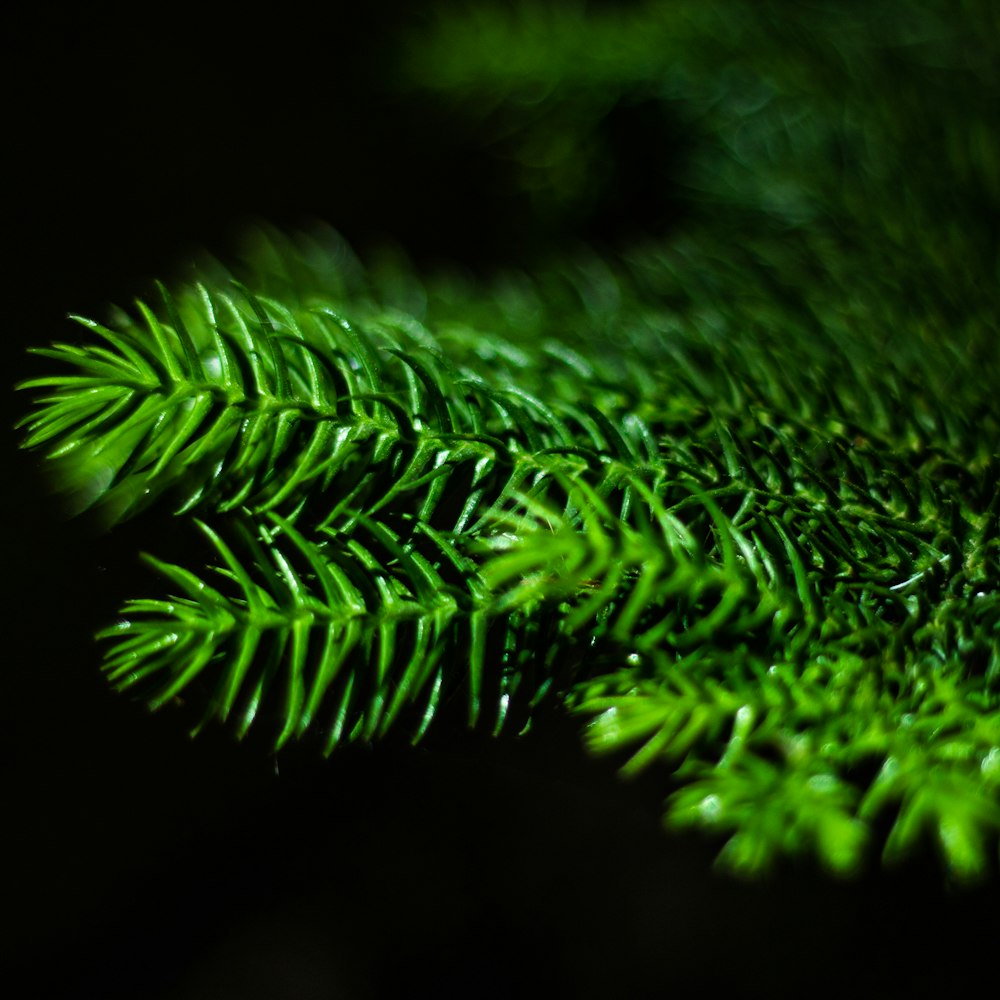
[139, 863]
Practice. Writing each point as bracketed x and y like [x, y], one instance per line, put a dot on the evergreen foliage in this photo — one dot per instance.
[730, 493]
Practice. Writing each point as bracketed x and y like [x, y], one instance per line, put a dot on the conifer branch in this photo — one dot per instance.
[731, 495]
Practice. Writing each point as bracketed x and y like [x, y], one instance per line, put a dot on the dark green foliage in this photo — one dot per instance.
[731, 495]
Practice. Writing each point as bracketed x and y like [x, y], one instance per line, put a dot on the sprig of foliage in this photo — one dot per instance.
[357, 628]
[775, 603]
[730, 495]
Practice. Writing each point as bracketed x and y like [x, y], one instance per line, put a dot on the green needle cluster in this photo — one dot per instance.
[730, 495]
